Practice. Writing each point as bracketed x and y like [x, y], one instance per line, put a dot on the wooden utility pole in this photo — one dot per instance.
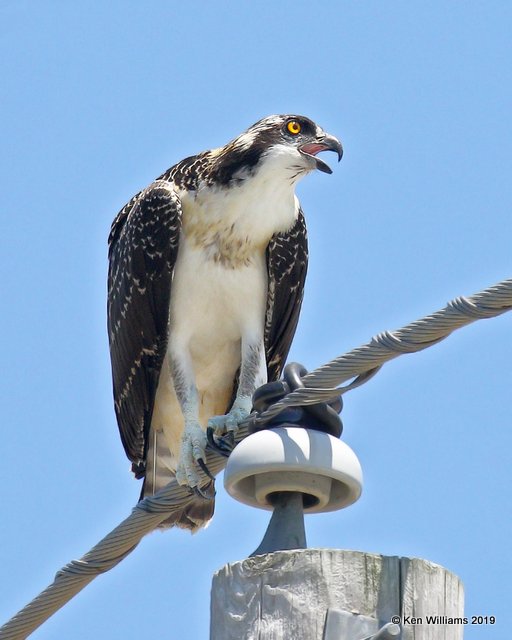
[285, 591]
[330, 594]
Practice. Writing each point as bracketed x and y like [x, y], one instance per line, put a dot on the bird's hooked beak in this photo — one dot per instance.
[325, 142]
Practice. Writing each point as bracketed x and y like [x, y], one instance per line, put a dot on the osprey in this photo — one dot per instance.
[206, 276]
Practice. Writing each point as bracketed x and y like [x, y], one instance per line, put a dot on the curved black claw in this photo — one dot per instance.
[204, 468]
[201, 494]
[220, 445]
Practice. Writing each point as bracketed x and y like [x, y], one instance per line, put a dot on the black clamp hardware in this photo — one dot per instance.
[323, 416]
[318, 417]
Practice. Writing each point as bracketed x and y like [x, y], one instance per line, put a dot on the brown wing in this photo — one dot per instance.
[143, 245]
[287, 262]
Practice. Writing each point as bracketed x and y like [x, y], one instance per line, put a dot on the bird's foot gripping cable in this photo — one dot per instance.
[323, 416]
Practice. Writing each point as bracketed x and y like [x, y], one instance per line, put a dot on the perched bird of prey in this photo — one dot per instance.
[205, 284]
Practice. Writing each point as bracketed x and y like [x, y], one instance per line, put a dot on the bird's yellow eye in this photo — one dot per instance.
[293, 127]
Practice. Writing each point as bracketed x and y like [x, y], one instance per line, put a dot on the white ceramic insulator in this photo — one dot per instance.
[314, 463]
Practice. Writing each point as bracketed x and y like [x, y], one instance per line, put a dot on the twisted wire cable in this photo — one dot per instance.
[320, 385]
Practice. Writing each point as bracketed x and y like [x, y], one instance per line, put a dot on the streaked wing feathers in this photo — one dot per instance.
[143, 245]
[287, 260]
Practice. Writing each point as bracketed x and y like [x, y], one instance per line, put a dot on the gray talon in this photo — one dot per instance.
[204, 468]
[199, 492]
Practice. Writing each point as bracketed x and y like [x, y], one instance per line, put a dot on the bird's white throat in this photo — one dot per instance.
[230, 223]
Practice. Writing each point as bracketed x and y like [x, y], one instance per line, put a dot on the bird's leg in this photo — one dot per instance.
[253, 373]
[193, 440]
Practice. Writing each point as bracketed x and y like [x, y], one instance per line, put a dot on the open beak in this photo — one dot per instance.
[324, 143]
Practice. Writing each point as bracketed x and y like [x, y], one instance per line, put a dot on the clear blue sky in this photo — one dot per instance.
[98, 100]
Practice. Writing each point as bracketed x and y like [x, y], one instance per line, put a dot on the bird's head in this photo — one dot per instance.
[284, 142]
